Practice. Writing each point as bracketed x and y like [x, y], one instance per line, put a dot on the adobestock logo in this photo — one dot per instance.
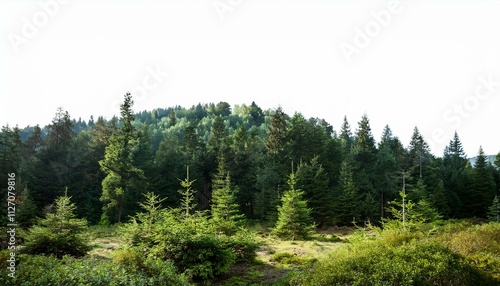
[462, 110]
[153, 78]
[30, 27]
[372, 29]
[224, 6]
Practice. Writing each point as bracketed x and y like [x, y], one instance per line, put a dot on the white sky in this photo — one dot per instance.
[423, 67]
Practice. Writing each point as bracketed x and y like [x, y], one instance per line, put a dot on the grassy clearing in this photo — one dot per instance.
[105, 240]
[277, 258]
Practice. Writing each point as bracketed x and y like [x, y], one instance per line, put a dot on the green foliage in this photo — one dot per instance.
[494, 210]
[243, 245]
[59, 234]
[188, 240]
[187, 200]
[225, 217]
[289, 258]
[372, 263]
[124, 179]
[480, 244]
[313, 180]
[348, 203]
[41, 270]
[294, 219]
[26, 210]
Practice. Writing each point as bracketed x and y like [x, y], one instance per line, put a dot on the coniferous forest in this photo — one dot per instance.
[191, 193]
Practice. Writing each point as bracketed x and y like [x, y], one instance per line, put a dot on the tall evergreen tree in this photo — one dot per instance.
[276, 135]
[457, 181]
[53, 168]
[346, 138]
[363, 154]
[484, 186]
[348, 201]
[294, 219]
[494, 210]
[225, 210]
[122, 187]
[312, 178]
[386, 172]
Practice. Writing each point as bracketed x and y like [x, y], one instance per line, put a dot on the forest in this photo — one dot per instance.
[214, 194]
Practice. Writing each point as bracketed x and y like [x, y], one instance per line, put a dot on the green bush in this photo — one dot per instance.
[289, 258]
[243, 245]
[372, 263]
[43, 270]
[480, 244]
[59, 234]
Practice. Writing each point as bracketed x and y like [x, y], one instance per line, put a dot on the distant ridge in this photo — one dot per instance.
[489, 158]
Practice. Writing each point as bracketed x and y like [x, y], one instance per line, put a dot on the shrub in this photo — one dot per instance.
[372, 263]
[480, 244]
[59, 234]
[289, 258]
[294, 218]
[42, 270]
[243, 245]
[200, 256]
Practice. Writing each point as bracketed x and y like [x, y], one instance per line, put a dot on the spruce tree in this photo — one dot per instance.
[346, 136]
[124, 182]
[494, 210]
[59, 234]
[313, 179]
[188, 203]
[484, 186]
[294, 217]
[348, 202]
[225, 210]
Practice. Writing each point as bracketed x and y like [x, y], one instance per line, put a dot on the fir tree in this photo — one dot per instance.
[313, 179]
[188, 203]
[225, 210]
[124, 181]
[294, 219]
[348, 203]
[484, 186]
[346, 136]
[494, 210]
[59, 234]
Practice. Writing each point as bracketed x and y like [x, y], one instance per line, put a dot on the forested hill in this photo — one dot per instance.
[106, 165]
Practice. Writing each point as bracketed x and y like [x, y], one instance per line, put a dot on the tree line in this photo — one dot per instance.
[245, 153]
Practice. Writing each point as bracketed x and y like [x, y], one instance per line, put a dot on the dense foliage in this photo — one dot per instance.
[345, 176]
[59, 234]
[468, 255]
[42, 270]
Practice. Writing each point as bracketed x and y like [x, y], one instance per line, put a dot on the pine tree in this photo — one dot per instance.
[457, 180]
[188, 203]
[225, 210]
[294, 219]
[386, 173]
[59, 234]
[275, 139]
[484, 186]
[313, 179]
[346, 138]
[26, 210]
[363, 154]
[348, 202]
[124, 181]
[494, 210]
